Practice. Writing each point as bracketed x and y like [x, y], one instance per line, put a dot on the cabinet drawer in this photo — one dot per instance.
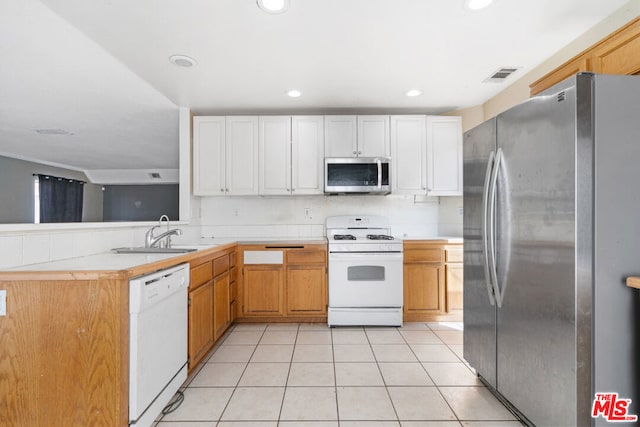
[454, 255]
[233, 257]
[233, 274]
[306, 257]
[263, 257]
[220, 265]
[424, 255]
[200, 275]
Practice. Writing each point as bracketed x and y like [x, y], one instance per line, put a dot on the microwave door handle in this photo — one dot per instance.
[379, 173]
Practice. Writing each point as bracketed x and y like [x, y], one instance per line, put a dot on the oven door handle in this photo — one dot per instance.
[379, 162]
[365, 256]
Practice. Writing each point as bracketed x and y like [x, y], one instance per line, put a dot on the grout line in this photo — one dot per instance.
[335, 377]
[286, 383]
[375, 358]
[239, 378]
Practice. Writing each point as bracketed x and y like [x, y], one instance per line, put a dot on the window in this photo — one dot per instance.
[57, 199]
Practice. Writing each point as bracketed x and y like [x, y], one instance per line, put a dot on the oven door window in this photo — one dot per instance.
[369, 273]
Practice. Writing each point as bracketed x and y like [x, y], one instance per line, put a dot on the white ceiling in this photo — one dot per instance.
[99, 69]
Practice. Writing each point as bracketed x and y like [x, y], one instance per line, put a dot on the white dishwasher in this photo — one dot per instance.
[157, 341]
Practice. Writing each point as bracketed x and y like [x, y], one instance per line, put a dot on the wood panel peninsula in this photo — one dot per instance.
[64, 357]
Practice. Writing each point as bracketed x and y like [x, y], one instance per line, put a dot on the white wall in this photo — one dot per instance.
[255, 217]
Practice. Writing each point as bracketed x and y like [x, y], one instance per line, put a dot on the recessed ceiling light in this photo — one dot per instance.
[182, 61]
[413, 92]
[273, 6]
[294, 93]
[477, 4]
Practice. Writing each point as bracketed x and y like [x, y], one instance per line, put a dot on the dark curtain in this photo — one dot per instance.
[60, 199]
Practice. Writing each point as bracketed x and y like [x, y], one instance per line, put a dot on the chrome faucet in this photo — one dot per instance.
[163, 240]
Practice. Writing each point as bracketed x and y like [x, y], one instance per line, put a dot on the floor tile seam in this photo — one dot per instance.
[445, 399]
[451, 350]
[335, 378]
[386, 389]
[239, 379]
[284, 393]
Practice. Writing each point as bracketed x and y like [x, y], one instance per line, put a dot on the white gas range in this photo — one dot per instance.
[365, 272]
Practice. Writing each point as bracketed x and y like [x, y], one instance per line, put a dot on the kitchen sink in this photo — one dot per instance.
[143, 250]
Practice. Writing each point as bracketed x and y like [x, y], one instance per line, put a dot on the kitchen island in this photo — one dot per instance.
[64, 358]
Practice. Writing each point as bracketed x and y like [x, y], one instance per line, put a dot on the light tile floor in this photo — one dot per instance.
[304, 374]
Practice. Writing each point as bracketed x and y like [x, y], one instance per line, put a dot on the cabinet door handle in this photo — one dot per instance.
[222, 190]
[293, 189]
[355, 152]
[359, 152]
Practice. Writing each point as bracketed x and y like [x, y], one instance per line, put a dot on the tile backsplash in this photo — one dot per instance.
[302, 216]
[243, 217]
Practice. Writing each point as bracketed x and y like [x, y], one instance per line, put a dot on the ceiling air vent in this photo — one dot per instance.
[501, 74]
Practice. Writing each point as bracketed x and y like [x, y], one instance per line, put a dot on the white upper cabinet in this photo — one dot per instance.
[291, 155]
[340, 136]
[208, 156]
[275, 155]
[408, 146]
[373, 136]
[241, 155]
[356, 136]
[444, 154]
[281, 155]
[307, 155]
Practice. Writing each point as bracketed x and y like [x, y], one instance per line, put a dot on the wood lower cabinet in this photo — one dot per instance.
[424, 281]
[454, 274]
[306, 290]
[233, 287]
[284, 282]
[432, 280]
[221, 315]
[201, 335]
[210, 303]
[263, 290]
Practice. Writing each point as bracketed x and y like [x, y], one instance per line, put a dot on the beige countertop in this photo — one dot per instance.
[136, 264]
[448, 239]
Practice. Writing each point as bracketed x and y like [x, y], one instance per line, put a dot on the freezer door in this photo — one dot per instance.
[535, 232]
[479, 307]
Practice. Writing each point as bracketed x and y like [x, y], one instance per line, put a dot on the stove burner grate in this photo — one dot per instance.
[344, 237]
[379, 237]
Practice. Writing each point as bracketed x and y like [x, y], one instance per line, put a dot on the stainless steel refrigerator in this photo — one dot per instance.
[551, 231]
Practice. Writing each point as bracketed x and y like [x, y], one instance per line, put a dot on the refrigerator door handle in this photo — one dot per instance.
[491, 238]
[485, 215]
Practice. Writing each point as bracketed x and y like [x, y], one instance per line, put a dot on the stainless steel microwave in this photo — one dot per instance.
[358, 175]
